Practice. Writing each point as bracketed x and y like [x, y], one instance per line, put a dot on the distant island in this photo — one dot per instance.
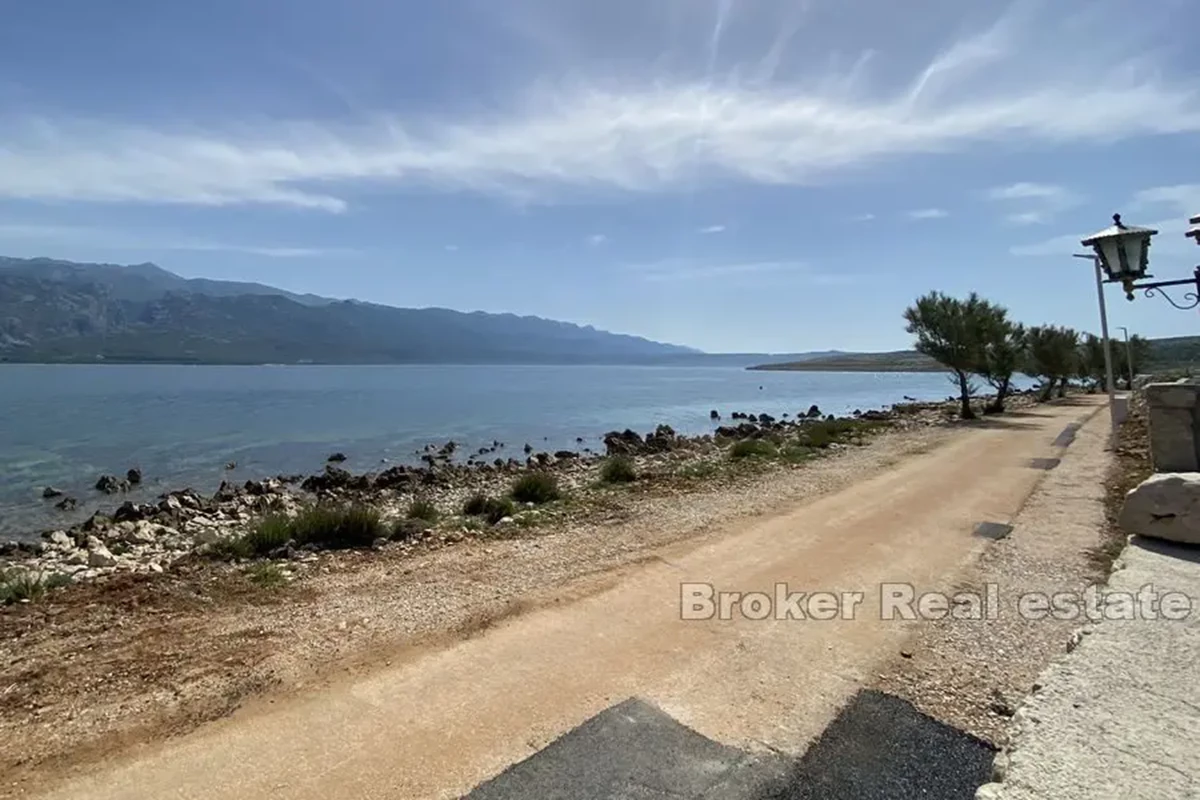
[895, 361]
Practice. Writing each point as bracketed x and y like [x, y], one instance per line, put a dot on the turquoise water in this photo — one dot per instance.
[65, 425]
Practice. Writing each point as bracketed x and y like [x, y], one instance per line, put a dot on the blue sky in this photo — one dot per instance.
[736, 175]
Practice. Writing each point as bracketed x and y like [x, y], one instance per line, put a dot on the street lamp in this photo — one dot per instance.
[1128, 355]
[1108, 368]
[1124, 253]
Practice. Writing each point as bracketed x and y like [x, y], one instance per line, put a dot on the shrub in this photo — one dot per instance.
[618, 469]
[536, 487]
[17, 585]
[498, 508]
[797, 454]
[423, 509]
[338, 527]
[407, 529]
[266, 575]
[270, 533]
[229, 548]
[476, 504]
[752, 448]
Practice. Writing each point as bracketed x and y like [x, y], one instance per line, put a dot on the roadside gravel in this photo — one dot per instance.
[974, 674]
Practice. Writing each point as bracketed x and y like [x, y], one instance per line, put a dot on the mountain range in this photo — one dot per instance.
[63, 311]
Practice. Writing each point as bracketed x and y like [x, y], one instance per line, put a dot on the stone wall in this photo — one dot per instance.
[1174, 410]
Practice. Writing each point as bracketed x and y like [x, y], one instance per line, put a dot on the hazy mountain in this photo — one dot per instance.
[64, 311]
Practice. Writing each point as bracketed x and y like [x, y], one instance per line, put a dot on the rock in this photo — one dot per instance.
[662, 440]
[155, 567]
[134, 476]
[623, 443]
[96, 522]
[335, 478]
[59, 540]
[565, 455]
[99, 556]
[231, 465]
[336, 458]
[1164, 506]
[50, 492]
[131, 512]
[77, 558]
[714, 414]
[66, 504]
[111, 484]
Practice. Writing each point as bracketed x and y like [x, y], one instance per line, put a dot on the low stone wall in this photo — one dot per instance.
[1174, 410]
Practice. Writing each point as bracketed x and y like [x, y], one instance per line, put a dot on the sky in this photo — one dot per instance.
[733, 175]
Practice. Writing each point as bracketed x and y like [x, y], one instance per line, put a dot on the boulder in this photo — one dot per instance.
[134, 476]
[99, 556]
[814, 411]
[714, 414]
[623, 443]
[66, 504]
[130, 511]
[50, 492]
[59, 540]
[336, 458]
[111, 484]
[1164, 506]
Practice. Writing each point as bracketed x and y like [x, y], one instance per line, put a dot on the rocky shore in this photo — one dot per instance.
[185, 528]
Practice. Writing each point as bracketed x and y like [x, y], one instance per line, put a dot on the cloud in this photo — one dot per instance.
[123, 240]
[1025, 191]
[1022, 82]
[685, 269]
[596, 239]
[712, 229]
[451, 248]
[928, 213]
[1043, 201]
[1183, 199]
[1170, 243]
[864, 217]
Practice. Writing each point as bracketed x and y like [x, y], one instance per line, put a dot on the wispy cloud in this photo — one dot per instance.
[1024, 81]
[864, 217]
[684, 269]
[1041, 202]
[596, 239]
[1183, 199]
[928, 213]
[712, 229]
[127, 240]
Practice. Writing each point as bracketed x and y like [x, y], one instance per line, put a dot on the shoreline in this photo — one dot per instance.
[137, 657]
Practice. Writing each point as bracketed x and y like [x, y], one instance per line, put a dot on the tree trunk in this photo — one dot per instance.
[1062, 387]
[997, 405]
[965, 392]
[1047, 390]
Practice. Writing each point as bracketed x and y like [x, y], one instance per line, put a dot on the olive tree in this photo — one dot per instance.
[953, 333]
[1003, 354]
[1052, 354]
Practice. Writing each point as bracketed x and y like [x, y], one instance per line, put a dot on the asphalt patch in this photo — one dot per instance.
[633, 750]
[992, 530]
[881, 748]
[1067, 436]
[1044, 463]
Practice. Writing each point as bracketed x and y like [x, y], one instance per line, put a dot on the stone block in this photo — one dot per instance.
[1164, 506]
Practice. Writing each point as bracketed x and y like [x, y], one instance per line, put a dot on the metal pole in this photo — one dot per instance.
[1128, 356]
[1108, 368]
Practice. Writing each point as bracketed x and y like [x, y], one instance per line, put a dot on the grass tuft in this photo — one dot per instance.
[423, 509]
[21, 585]
[536, 487]
[475, 505]
[752, 448]
[498, 508]
[618, 469]
[265, 575]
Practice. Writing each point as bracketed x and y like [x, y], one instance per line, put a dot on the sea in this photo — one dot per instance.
[181, 425]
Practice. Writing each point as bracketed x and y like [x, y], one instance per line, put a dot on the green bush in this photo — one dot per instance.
[797, 454]
[17, 585]
[498, 508]
[752, 448]
[423, 509]
[405, 530]
[266, 575]
[618, 469]
[536, 487]
[338, 527]
[231, 548]
[476, 504]
[270, 533]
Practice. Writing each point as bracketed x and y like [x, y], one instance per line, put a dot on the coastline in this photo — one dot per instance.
[131, 655]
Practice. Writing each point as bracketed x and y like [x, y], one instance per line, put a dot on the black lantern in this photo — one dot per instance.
[1123, 250]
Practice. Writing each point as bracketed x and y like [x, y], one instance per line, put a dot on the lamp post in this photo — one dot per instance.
[1108, 368]
[1128, 355]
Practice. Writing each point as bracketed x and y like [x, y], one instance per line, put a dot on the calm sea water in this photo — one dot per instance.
[65, 425]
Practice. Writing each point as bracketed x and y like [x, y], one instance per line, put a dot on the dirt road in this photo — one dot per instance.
[436, 723]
